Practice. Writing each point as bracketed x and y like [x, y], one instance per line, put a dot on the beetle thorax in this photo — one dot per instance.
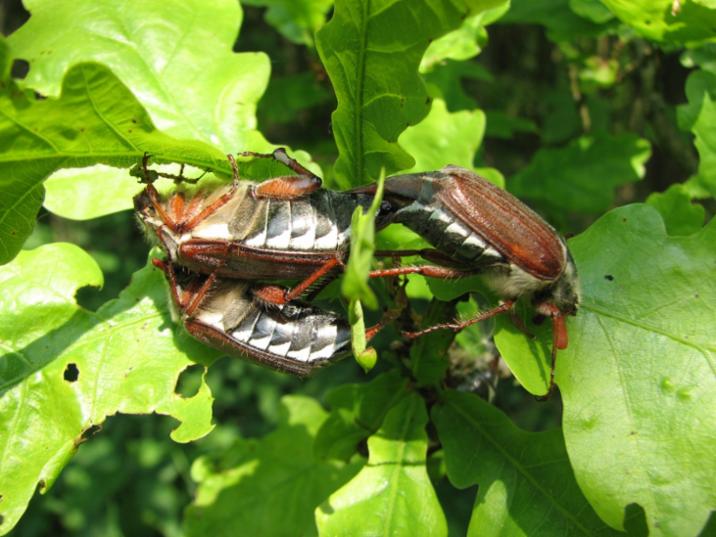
[563, 294]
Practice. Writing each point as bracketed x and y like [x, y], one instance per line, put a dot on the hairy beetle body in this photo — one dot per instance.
[479, 228]
[255, 238]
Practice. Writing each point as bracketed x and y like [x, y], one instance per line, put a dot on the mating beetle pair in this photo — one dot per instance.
[290, 228]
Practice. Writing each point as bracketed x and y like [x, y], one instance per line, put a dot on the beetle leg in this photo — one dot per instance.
[199, 296]
[168, 270]
[163, 215]
[281, 156]
[218, 202]
[272, 294]
[320, 273]
[459, 325]
[431, 271]
[288, 188]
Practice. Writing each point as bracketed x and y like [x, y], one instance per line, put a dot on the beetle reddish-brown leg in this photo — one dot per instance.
[285, 188]
[168, 270]
[431, 271]
[281, 156]
[272, 294]
[164, 217]
[459, 325]
[200, 295]
[217, 203]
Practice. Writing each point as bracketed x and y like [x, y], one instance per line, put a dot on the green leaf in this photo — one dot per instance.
[562, 23]
[153, 48]
[468, 40]
[526, 485]
[357, 410]
[681, 216]
[371, 51]
[459, 45]
[698, 116]
[95, 120]
[429, 353]
[355, 282]
[691, 24]
[269, 486]
[90, 192]
[297, 20]
[638, 378]
[444, 138]
[175, 57]
[65, 369]
[392, 494]
[581, 176]
[503, 125]
[594, 10]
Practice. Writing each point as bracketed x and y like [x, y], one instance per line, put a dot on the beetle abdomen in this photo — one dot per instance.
[319, 222]
[296, 333]
[446, 233]
[315, 337]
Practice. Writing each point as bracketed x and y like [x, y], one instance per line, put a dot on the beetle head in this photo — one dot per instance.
[558, 300]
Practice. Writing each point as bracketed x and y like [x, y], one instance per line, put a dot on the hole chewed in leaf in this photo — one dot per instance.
[20, 68]
[71, 373]
[189, 381]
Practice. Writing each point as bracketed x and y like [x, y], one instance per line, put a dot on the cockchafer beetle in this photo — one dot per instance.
[226, 314]
[477, 227]
[285, 228]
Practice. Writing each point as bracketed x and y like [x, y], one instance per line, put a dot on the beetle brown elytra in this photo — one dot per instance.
[284, 228]
[226, 314]
[478, 228]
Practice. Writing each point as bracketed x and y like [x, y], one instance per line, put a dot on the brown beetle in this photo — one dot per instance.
[285, 228]
[478, 228]
[227, 315]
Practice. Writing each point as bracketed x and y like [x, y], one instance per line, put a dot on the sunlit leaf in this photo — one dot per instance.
[371, 51]
[95, 120]
[64, 370]
[681, 216]
[642, 340]
[690, 23]
[392, 494]
[297, 20]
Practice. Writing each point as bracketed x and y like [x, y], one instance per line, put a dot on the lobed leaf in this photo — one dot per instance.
[95, 120]
[372, 51]
[444, 138]
[692, 23]
[525, 483]
[581, 176]
[178, 62]
[681, 216]
[64, 369]
[269, 486]
[561, 22]
[642, 340]
[297, 20]
[698, 116]
[357, 411]
[392, 494]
